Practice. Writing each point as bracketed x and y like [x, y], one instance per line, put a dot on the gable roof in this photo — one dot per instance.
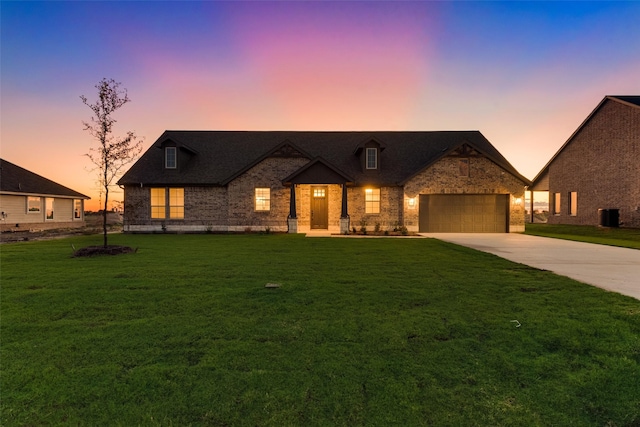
[632, 101]
[223, 155]
[17, 180]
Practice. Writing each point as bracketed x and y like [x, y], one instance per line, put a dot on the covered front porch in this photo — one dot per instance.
[318, 199]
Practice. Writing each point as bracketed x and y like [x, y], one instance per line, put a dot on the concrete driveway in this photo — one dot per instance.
[608, 267]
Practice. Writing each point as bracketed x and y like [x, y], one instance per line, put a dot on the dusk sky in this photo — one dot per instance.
[524, 74]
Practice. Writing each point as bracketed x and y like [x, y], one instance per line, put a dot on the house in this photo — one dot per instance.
[594, 179]
[31, 202]
[335, 181]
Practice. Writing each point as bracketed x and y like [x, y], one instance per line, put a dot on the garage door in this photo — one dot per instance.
[464, 213]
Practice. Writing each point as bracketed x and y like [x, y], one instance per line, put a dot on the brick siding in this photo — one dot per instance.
[232, 208]
[602, 164]
[485, 177]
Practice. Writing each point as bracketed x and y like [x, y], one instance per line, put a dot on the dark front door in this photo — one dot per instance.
[319, 208]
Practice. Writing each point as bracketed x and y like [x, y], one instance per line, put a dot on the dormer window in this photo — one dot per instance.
[372, 158]
[170, 157]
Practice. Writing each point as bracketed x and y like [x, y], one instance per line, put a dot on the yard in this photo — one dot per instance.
[373, 332]
[623, 237]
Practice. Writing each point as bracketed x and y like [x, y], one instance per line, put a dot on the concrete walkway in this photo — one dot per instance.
[608, 267]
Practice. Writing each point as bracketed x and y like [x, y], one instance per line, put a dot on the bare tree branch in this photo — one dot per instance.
[112, 153]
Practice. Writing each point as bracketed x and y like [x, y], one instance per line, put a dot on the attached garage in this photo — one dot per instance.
[464, 213]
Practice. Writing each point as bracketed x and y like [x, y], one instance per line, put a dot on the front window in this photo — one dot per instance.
[556, 203]
[34, 205]
[372, 200]
[170, 157]
[573, 203]
[176, 203]
[372, 158]
[49, 205]
[158, 203]
[77, 209]
[263, 199]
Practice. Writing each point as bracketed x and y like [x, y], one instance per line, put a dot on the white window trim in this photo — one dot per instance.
[39, 205]
[375, 152]
[262, 203]
[166, 157]
[48, 200]
[371, 193]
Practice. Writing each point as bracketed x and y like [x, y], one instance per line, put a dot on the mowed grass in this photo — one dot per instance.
[623, 237]
[374, 332]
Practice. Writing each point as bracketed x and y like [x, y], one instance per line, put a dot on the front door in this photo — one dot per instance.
[319, 208]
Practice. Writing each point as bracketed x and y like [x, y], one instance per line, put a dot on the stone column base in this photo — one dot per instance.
[293, 225]
[344, 225]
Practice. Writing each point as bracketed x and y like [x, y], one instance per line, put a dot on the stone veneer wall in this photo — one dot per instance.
[268, 173]
[485, 177]
[601, 164]
[228, 208]
[232, 208]
[391, 211]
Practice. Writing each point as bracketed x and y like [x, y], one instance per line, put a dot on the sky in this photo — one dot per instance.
[525, 74]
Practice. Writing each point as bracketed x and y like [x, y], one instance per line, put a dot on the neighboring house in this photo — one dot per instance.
[597, 171]
[31, 202]
[335, 181]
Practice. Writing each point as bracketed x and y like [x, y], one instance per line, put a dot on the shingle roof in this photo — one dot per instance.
[14, 179]
[221, 155]
[630, 99]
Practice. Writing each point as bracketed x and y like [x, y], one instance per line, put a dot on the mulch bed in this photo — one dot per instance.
[101, 250]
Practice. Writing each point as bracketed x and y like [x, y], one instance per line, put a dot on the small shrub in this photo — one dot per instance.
[363, 226]
[377, 227]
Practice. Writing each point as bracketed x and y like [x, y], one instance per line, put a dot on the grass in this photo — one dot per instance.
[374, 332]
[623, 237]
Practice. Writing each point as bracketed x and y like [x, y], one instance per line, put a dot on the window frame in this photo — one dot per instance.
[372, 198]
[77, 209]
[49, 208]
[158, 204]
[373, 150]
[176, 202]
[557, 200]
[35, 211]
[573, 203]
[174, 150]
[262, 199]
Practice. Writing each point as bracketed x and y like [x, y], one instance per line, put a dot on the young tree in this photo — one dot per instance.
[112, 153]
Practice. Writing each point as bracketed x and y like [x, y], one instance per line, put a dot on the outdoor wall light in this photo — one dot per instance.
[411, 202]
[517, 200]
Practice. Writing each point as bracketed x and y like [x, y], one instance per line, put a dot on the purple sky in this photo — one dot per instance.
[525, 74]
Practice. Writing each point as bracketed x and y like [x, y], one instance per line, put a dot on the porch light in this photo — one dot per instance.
[411, 202]
[517, 200]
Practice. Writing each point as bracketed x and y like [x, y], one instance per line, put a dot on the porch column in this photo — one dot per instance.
[344, 215]
[531, 200]
[292, 221]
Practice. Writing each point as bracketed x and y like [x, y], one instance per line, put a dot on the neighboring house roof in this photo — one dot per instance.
[17, 180]
[540, 179]
[221, 156]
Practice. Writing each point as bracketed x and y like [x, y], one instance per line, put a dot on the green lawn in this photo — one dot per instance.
[374, 332]
[624, 237]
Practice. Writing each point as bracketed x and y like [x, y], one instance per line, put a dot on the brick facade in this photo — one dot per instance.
[601, 163]
[232, 208]
[484, 177]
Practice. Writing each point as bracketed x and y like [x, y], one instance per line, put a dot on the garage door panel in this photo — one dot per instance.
[464, 213]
